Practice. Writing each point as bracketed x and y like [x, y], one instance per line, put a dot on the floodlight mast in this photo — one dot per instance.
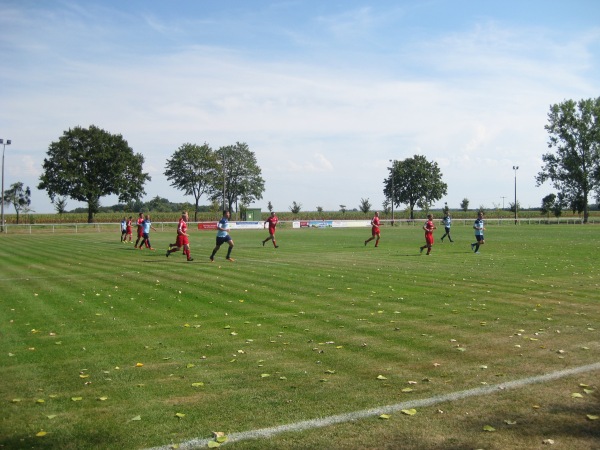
[392, 196]
[8, 142]
[515, 168]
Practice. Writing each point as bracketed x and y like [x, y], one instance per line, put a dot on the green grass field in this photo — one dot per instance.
[106, 346]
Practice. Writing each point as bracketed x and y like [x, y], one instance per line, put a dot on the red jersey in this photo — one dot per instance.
[375, 222]
[182, 227]
[272, 221]
[429, 226]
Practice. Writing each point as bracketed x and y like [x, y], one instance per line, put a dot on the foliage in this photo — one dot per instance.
[365, 205]
[416, 182]
[552, 203]
[464, 205]
[18, 197]
[60, 205]
[270, 206]
[242, 176]
[86, 164]
[193, 170]
[574, 167]
[319, 209]
[511, 206]
[296, 207]
[343, 209]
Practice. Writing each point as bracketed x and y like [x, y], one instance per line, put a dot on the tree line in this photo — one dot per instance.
[86, 164]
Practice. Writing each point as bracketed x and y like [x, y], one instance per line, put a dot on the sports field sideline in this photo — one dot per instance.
[107, 346]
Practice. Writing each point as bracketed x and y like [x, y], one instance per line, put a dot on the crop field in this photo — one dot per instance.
[104, 346]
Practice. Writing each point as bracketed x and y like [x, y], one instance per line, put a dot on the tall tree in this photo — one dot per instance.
[416, 182]
[19, 197]
[86, 164]
[365, 205]
[574, 167]
[193, 169]
[60, 205]
[239, 175]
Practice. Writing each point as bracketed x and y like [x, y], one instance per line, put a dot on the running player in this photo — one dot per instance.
[447, 221]
[272, 221]
[428, 227]
[146, 227]
[140, 229]
[479, 229]
[128, 229]
[222, 237]
[123, 229]
[182, 238]
[375, 232]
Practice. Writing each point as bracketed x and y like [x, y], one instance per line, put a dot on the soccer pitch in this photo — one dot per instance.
[107, 346]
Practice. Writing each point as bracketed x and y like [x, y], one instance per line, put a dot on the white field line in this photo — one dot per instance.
[349, 417]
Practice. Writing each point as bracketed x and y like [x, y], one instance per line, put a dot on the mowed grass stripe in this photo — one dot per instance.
[323, 324]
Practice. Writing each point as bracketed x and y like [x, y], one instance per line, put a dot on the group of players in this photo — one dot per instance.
[429, 227]
[144, 225]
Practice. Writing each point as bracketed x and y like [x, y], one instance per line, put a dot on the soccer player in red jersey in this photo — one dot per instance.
[375, 233]
[182, 238]
[140, 229]
[128, 229]
[272, 221]
[428, 227]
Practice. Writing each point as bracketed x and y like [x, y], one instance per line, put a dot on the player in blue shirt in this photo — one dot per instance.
[447, 221]
[146, 226]
[479, 229]
[222, 237]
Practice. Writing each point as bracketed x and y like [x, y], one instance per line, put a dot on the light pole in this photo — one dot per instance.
[224, 172]
[515, 168]
[392, 175]
[8, 142]
[502, 202]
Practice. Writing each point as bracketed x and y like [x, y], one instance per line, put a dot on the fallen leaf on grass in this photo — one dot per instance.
[381, 377]
[488, 428]
[76, 399]
[136, 418]
[199, 384]
[102, 399]
[384, 416]
[576, 395]
[592, 417]
[548, 441]
[409, 412]
[139, 365]
[41, 434]
[180, 415]
[51, 416]
[407, 390]
[510, 422]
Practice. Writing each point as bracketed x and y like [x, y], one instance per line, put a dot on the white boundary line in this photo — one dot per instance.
[349, 417]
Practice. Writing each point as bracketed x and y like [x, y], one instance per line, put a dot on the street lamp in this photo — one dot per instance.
[392, 175]
[515, 168]
[8, 142]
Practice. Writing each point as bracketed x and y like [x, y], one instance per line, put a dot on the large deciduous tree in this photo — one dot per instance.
[574, 167]
[86, 164]
[19, 196]
[416, 182]
[193, 170]
[239, 174]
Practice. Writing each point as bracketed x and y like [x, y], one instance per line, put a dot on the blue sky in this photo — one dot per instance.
[325, 93]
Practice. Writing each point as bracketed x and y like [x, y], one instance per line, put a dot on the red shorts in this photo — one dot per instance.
[375, 231]
[140, 232]
[182, 240]
[272, 231]
[429, 239]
